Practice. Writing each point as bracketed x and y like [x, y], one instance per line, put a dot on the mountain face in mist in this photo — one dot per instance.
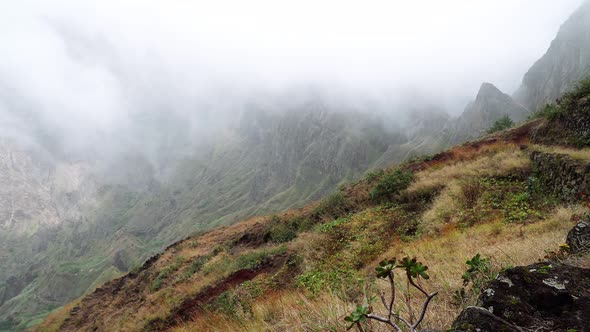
[74, 220]
[424, 135]
[566, 62]
[490, 105]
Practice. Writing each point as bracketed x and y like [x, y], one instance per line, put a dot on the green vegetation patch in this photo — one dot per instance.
[167, 272]
[391, 184]
[502, 123]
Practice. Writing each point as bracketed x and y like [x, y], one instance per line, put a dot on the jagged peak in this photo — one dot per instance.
[488, 90]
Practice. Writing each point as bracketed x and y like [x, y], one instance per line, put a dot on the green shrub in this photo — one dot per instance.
[340, 278]
[477, 270]
[549, 111]
[502, 123]
[582, 89]
[478, 274]
[373, 175]
[333, 206]
[280, 231]
[391, 184]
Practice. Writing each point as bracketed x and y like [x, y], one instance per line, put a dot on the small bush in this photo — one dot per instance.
[333, 206]
[391, 184]
[478, 274]
[281, 231]
[371, 176]
[502, 123]
[340, 278]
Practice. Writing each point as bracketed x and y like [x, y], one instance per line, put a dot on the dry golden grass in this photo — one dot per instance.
[452, 178]
[578, 154]
[506, 244]
[509, 160]
[441, 213]
[282, 311]
[446, 255]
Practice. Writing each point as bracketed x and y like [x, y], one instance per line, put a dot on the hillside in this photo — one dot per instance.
[511, 197]
[73, 220]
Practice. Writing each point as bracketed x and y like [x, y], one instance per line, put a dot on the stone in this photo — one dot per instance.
[540, 297]
[475, 319]
[578, 238]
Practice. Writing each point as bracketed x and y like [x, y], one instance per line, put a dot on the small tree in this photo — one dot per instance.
[502, 123]
[413, 271]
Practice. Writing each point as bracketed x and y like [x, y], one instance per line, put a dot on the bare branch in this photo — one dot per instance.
[383, 301]
[386, 321]
[424, 309]
[392, 295]
[408, 300]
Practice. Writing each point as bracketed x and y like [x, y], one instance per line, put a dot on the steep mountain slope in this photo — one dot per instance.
[566, 62]
[304, 269]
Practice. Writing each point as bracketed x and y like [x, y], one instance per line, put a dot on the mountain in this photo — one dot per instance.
[490, 105]
[565, 63]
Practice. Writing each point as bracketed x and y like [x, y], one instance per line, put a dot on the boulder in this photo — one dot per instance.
[545, 296]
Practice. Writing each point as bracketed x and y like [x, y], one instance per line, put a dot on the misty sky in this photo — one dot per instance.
[91, 63]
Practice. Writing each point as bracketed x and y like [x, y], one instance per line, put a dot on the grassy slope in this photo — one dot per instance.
[305, 269]
[472, 199]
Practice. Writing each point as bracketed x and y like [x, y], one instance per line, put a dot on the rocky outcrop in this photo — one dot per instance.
[566, 62]
[570, 127]
[562, 175]
[540, 297]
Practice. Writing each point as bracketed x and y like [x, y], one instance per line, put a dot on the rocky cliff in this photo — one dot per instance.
[566, 62]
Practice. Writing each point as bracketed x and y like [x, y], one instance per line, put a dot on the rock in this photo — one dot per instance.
[539, 297]
[578, 238]
[483, 319]
[561, 175]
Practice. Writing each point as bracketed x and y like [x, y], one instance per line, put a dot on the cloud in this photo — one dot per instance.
[88, 69]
